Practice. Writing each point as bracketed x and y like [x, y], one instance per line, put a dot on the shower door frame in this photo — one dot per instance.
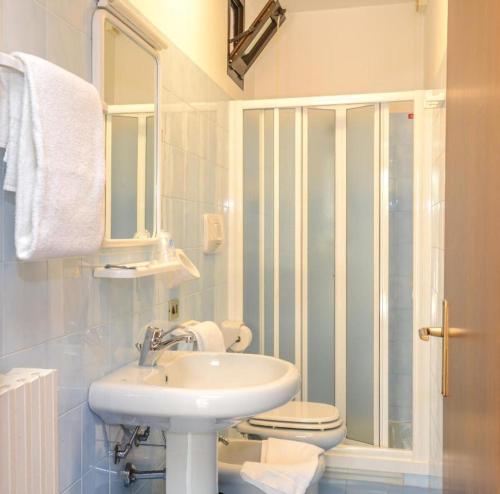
[351, 456]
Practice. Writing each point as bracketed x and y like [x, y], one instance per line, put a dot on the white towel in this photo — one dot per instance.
[57, 170]
[11, 102]
[208, 337]
[286, 467]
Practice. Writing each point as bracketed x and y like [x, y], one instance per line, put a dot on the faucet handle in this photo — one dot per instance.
[154, 335]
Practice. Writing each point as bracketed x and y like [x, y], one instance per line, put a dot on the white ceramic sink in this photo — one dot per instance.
[197, 390]
[191, 395]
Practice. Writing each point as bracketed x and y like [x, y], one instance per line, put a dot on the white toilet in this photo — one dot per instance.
[315, 423]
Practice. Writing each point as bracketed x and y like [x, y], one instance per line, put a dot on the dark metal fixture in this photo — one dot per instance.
[135, 439]
[244, 47]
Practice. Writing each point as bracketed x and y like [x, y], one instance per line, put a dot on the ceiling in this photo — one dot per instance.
[304, 5]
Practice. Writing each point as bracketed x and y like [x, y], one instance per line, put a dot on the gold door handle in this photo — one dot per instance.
[442, 332]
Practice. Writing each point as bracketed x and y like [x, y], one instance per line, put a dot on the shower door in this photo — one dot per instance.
[325, 257]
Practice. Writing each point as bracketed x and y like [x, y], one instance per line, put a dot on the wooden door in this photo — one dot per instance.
[472, 248]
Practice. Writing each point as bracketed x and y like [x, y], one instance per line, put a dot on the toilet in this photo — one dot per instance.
[315, 423]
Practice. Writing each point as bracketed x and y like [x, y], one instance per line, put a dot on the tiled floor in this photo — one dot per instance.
[360, 487]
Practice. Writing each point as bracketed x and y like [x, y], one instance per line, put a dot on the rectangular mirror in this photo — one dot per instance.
[126, 72]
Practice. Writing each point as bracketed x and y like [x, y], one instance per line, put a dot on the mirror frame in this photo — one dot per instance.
[98, 36]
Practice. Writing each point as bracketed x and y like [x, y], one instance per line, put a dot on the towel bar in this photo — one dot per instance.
[11, 62]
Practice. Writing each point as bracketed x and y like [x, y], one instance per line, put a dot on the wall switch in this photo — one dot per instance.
[213, 233]
[173, 309]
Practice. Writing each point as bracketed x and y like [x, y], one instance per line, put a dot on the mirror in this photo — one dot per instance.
[128, 82]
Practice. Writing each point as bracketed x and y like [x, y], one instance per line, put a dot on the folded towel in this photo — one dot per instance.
[57, 168]
[208, 337]
[11, 102]
[286, 467]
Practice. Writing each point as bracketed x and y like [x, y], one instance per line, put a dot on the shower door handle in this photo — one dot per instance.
[440, 332]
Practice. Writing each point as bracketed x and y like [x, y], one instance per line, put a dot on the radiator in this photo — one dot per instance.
[28, 432]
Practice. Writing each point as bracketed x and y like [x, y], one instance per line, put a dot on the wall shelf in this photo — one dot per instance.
[179, 270]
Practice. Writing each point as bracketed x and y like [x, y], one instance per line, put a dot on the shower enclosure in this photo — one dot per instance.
[327, 261]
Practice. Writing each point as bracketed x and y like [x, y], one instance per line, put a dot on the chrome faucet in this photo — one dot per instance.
[156, 340]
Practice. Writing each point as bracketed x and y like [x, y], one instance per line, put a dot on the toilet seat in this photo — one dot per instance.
[314, 423]
[300, 415]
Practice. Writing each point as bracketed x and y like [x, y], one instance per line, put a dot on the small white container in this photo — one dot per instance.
[231, 459]
[165, 248]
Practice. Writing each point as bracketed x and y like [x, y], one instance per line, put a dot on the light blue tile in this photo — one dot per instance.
[119, 296]
[194, 220]
[208, 304]
[120, 339]
[192, 186]
[32, 17]
[66, 355]
[95, 356]
[2, 205]
[191, 308]
[173, 219]
[192, 286]
[72, 292]
[145, 293]
[419, 490]
[174, 172]
[32, 308]
[78, 14]
[207, 187]
[76, 488]
[193, 143]
[67, 47]
[332, 487]
[96, 480]
[95, 444]
[70, 448]
[32, 357]
[93, 296]
[416, 480]
[207, 263]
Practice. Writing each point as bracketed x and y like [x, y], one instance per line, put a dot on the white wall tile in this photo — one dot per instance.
[70, 448]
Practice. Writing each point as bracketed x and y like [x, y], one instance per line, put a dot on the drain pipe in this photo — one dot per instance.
[131, 474]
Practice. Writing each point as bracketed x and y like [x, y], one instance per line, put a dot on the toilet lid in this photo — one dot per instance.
[300, 415]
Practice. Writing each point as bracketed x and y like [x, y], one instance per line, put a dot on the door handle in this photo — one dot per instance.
[441, 332]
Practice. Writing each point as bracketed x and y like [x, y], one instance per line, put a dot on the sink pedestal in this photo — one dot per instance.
[192, 463]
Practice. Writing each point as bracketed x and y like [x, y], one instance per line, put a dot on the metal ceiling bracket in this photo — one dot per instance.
[244, 46]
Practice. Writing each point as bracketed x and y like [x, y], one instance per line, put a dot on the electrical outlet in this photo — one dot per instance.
[173, 309]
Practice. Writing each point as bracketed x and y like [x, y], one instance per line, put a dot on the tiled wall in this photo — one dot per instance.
[55, 314]
[438, 137]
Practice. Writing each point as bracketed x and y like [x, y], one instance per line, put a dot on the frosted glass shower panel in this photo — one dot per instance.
[360, 175]
[320, 254]
[287, 211]
[258, 227]
[268, 228]
[251, 231]
[400, 274]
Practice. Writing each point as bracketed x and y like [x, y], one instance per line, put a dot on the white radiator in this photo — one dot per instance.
[28, 432]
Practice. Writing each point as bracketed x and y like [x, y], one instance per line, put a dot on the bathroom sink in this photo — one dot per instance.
[191, 395]
[194, 391]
